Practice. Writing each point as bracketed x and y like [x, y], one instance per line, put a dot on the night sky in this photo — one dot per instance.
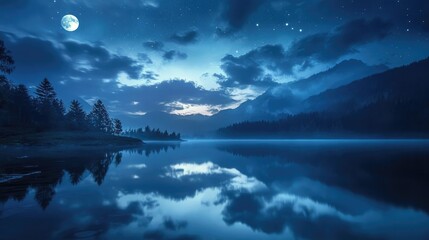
[201, 56]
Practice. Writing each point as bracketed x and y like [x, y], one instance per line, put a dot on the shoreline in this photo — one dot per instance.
[68, 139]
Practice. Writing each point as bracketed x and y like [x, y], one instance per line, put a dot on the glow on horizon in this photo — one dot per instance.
[192, 109]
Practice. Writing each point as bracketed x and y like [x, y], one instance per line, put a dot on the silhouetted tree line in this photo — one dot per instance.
[152, 134]
[44, 112]
[383, 117]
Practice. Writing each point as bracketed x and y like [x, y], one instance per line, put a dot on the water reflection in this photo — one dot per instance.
[44, 169]
[396, 173]
[222, 190]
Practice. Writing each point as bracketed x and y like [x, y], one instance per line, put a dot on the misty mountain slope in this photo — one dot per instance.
[339, 75]
[407, 83]
[287, 97]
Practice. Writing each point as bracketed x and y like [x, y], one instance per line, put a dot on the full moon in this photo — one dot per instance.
[70, 23]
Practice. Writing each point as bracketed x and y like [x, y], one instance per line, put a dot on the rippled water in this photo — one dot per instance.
[218, 190]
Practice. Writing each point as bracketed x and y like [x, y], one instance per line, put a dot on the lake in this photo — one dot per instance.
[218, 190]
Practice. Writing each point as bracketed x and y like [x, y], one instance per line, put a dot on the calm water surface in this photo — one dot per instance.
[218, 190]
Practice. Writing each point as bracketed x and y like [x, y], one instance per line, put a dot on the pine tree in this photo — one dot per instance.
[20, 107]
[58, 112]
[49, 108]
[6, 67]
[45, 92]
[99, 118]
[139, 130]
[6, 60]
[117, 126]
[76, 117]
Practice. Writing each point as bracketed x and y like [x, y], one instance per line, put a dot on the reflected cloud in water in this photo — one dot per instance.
[237, 181]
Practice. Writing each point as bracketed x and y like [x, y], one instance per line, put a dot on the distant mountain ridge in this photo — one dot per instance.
[341, 74]
[410, 82]
[285, 98]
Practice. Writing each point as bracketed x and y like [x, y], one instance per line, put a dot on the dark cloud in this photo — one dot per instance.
[77, 70]
[143, 57]
[241, 73]
[185, 38]
[66, 61]
[172, 225]
[154, 45]
[343, 40]
[149, 75]
[173, 54]
[167, 55]
[272, 56]
[249, 69]
[98, 62]
[235, 14]
[44, 54]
